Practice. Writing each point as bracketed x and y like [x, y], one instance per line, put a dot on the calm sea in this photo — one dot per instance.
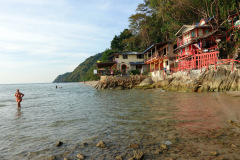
[76, 114]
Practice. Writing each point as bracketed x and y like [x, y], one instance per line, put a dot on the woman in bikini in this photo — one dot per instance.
[19, 96]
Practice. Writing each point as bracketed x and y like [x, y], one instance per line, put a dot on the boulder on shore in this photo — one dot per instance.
[113, 82]
[146, 81]
[220, 80]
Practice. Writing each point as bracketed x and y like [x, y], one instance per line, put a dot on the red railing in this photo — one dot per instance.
[224, 61]
[197, 61]
[200, 61]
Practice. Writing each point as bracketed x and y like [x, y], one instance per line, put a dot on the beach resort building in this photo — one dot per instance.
[197, 45]
[124, 62]
[128, 61]
[159, 59]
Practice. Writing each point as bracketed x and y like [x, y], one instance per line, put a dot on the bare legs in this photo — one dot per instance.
[18, 103]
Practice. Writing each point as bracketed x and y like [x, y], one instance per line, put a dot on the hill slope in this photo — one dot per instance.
[84, 71]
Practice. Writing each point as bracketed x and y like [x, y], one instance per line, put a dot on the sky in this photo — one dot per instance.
[41, 39]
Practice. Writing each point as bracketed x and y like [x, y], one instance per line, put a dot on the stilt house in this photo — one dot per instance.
[159, 57]
[197, 46]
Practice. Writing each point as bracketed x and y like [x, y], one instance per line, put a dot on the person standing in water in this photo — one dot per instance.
[18, 96]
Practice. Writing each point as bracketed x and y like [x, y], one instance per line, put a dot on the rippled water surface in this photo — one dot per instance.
[192, 125]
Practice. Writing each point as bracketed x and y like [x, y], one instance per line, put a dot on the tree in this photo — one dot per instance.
[106, 54]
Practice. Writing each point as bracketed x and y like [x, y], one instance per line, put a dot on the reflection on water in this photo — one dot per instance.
[19, 113]
[190, 124]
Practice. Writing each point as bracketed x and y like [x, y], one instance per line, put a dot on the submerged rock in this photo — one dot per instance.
[214, 153]
[234, 146]
[158, 151]
[138, 155]
[101, 144]
[52, 157]
[59, 143]
[80, 156]
[134, 145]
[119, 157]
[164, 146]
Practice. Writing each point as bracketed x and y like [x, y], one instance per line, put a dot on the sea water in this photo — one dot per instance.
[80, 116]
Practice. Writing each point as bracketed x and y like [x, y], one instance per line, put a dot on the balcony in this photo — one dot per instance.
[154, 58]
[184, 41]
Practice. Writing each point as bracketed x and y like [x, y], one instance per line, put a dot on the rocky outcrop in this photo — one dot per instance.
[220, 80]
[110, 82]
[212, 80]
[146, 81]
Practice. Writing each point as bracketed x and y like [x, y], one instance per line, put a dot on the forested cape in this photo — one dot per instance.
[155, 21]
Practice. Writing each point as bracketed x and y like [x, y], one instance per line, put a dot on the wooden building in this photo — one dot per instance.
[197, 46]
[159, 58]
[106, 68]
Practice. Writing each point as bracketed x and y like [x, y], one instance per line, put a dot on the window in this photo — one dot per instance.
[193, 34]
[206, 31]
[200, 32]
[117, 56]
[165, 51]
[159, 53]
[140, 56]
[125, 56]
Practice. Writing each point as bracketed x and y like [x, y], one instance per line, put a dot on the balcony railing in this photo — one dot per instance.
[184, 41]
[155, 57]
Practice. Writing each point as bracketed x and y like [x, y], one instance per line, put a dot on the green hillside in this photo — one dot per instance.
[83, 72]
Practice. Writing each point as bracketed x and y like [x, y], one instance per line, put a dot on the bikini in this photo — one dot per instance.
[18, 96]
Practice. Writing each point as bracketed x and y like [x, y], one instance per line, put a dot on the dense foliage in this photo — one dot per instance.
[62, 77]
[106, 54]
[158, 20]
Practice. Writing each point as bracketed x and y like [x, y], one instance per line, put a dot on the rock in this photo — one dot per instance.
[59, 143]
[101, 144]
[158, 151]
[52, 157]
[80, 156]
[138, 155]
[131, 159]
[164, 146]
[85, 144]
[134, 145]
[119, 157]
[214, 153]
[65, 158]
[234, 146]
[146, 81]
[120, 83]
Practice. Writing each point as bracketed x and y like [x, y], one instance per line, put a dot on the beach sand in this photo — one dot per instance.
[90, 83]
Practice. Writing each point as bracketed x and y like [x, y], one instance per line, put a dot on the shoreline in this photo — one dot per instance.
[89, 83]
